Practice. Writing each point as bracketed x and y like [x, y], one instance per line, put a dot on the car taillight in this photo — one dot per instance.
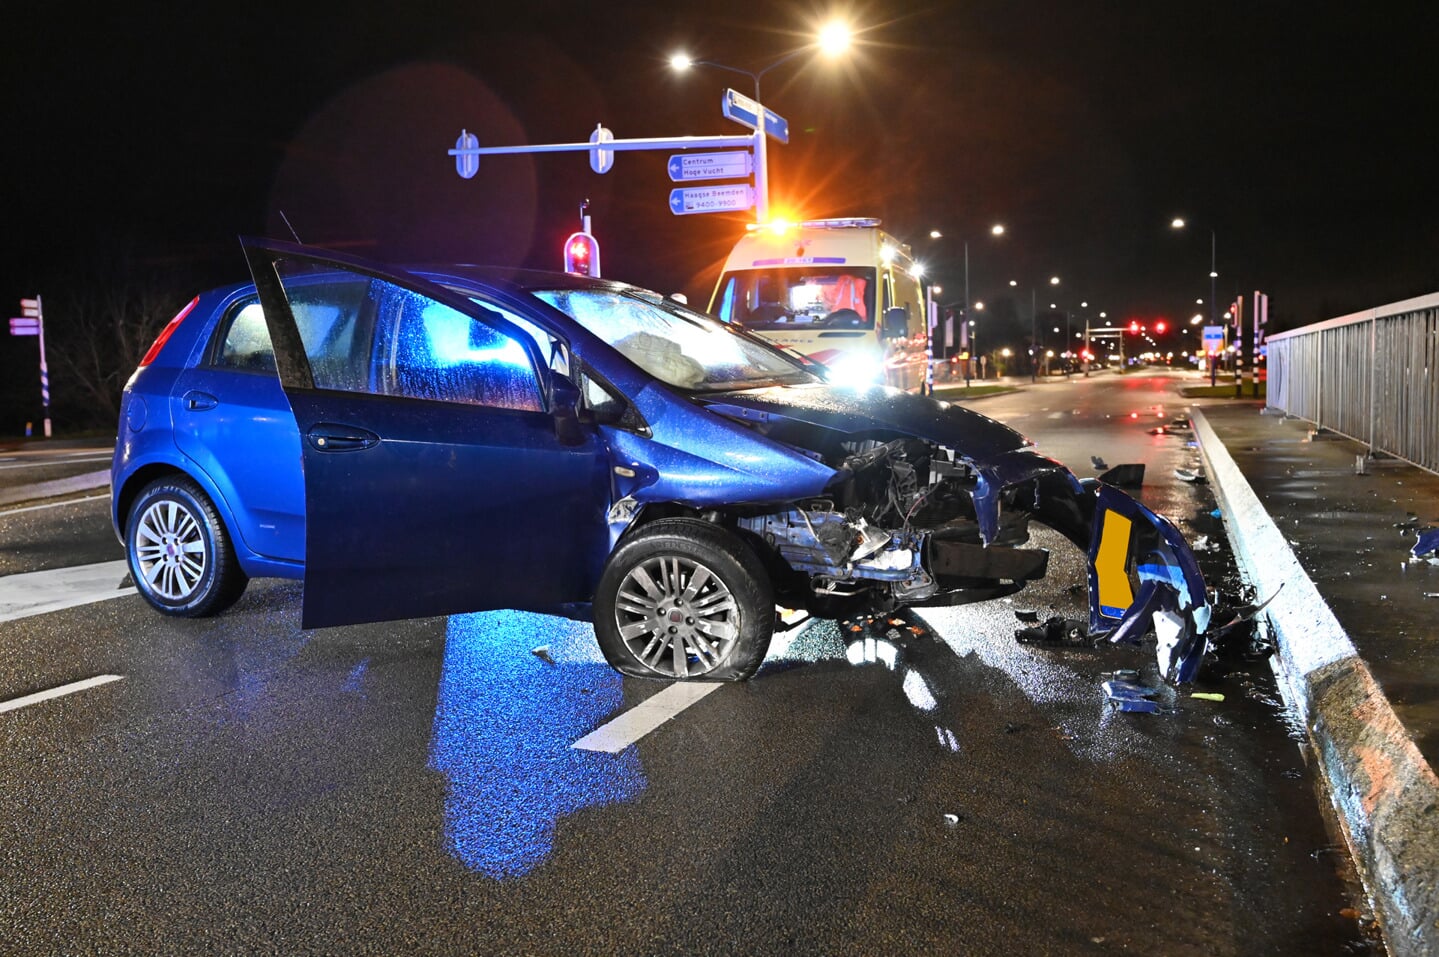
[166, 332]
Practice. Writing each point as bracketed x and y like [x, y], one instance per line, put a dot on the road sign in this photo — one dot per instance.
[1213, 340]
[691, 166]
[24, 327]
[710, 199]
[30, 308]
[467, 164]
[745, 111]
[601, 160]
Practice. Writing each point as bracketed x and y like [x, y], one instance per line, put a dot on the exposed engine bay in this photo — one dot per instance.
[910, 522]
[902, 527]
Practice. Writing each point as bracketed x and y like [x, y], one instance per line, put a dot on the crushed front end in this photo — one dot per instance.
[910, 522]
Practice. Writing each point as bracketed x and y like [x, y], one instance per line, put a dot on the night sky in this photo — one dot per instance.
[1302, 137]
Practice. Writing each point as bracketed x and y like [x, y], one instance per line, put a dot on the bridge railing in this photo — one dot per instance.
[1372, 376]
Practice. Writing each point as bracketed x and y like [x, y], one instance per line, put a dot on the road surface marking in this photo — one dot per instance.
[15, 704]
[35, 593]
[67, 460]
[640, 720]
[33, 508]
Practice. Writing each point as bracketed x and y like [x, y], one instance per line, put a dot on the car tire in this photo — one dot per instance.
[684, 599]
[179, 551]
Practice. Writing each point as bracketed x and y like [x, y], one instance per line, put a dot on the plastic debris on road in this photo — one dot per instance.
[1129, 475]
[1133, 698]
[1427, 546]
[1128, 689]
[1055, 631]
[1207, 696]
[1136, 705]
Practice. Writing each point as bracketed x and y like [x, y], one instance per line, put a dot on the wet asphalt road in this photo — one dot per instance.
[920, 785]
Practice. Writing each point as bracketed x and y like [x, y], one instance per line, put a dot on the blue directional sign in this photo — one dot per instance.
[1213, 340]
[711, 199]
[745, 111]
[691, 166]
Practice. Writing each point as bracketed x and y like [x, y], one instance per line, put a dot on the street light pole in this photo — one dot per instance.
[833, 39]
[969, 326]
[1033, 337]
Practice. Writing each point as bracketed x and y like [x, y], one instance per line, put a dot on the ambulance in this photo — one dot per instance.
[842, 292]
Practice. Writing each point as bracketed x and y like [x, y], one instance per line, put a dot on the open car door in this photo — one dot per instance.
[444, 469]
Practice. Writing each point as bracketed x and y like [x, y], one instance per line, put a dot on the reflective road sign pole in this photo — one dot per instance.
[44, 369]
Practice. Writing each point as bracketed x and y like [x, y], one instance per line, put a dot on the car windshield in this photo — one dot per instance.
[674, 344]
[799, 297]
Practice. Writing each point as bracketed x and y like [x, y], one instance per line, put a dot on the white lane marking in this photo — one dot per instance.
[15, 704]
[640, 720]
[67, 460]
[35, 508]
[35, 593]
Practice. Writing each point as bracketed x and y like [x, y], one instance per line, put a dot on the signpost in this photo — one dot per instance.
[684, 167]
[746, 112]
[601, 160]
[31, 322]
[711, 199]
[1213, 349]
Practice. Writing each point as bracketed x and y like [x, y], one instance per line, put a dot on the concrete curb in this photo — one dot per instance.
[64, 486]
[1386, 795]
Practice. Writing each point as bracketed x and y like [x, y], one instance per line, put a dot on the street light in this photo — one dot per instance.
[832, 39]
[996, 230]
[1179, 223]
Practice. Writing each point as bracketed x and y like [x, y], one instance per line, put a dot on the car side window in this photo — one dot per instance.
[427, 350]
[332, 316]
[245, 344]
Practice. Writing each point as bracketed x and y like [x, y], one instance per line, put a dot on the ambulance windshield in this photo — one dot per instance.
[805, 297]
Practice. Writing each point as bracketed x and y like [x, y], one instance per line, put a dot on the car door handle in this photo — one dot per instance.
[197, 401]
[326, 437]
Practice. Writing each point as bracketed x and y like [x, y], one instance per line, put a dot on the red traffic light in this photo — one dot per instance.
[1134, 327]
[1160, 326]
[582, 254]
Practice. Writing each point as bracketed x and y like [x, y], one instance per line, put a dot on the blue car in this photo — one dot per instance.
[427, 441]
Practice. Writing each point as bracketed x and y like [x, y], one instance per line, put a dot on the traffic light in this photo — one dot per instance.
[1160, 326]
[582, 254]
[1134, 327]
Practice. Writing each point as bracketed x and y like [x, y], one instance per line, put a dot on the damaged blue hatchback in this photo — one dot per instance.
[429, 441]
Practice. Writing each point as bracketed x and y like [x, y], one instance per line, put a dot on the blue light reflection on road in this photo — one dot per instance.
[505, 721]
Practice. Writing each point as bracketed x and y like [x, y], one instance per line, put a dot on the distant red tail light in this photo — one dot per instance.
[167, 332]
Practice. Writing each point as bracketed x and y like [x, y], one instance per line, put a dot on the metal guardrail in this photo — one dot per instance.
[1372, 376]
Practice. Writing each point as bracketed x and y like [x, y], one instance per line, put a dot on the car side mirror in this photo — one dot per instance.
[896, 323]
[564, 407]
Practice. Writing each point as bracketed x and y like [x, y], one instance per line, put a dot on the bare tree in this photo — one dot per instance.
[98, 326]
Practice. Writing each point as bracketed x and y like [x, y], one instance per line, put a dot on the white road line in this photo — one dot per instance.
[640, 720]
[67, 460]
[35, 593]
[34, 508]
[15, 704]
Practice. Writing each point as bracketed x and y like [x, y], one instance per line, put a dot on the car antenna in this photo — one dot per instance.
[289, 227]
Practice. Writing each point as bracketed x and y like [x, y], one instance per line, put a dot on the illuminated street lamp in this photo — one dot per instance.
[996, 230]
[833, 39]
[1179, 223]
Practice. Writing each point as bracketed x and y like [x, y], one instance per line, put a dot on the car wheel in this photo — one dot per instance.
[684, 599]
[179, 551]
